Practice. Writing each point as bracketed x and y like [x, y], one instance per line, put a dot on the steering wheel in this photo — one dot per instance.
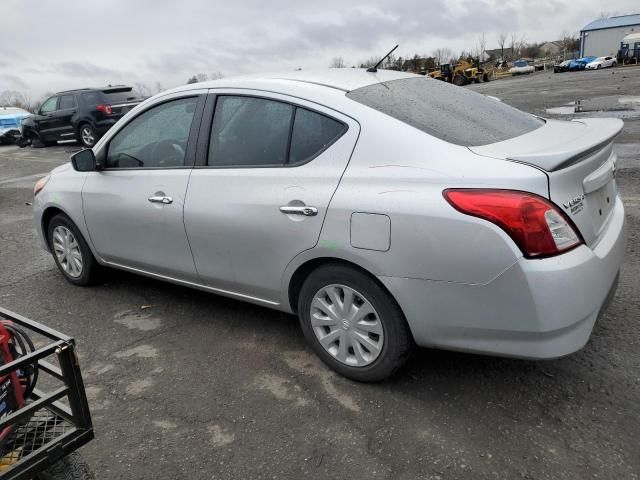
[168, 153]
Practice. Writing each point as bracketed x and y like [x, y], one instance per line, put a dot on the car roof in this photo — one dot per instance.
[343, 79]
[99, 89]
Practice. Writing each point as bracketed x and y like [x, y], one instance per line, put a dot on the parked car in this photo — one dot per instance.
[10, 123]
[85, 115]
[580, 63]
[601, 62]
[562, 67]
[521, 67]
[331, 194]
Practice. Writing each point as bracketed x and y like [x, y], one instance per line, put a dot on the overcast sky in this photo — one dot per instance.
[46, 46]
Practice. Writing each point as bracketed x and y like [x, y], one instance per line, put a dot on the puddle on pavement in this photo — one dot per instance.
[614, 106]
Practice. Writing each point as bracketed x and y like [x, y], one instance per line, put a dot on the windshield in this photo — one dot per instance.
[454, 114]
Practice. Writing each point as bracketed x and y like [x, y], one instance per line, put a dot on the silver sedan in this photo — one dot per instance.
[384, 209]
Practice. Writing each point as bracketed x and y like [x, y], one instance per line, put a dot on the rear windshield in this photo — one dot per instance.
[453, 114]
[120, 96]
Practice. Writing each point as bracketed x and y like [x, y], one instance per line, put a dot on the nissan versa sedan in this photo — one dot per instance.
[385, 209]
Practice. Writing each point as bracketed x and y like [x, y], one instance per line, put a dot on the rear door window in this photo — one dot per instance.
[454, 114]
[249, 131]
[67, 102]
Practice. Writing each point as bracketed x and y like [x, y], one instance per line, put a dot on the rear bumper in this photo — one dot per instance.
[536, 309]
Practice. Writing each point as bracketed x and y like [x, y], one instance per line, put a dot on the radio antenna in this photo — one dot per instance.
[374, 69]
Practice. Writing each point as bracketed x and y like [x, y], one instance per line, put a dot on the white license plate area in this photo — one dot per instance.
[601, 203]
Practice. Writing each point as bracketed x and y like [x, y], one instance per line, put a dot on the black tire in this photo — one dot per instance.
[598, 67]
[459, 80]
[71, 467]
[398, 342]
[85, 132]
[90, 267]
[485, 77]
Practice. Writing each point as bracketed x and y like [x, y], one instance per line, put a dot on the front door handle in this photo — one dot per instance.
[302, 210]
[160, 199]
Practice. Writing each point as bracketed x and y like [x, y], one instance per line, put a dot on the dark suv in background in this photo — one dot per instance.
[84, 114]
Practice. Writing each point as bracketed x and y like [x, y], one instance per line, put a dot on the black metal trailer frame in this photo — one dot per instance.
[51, 424]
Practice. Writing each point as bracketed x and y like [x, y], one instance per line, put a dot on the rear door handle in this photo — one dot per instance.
[160, 199]
[302, 210]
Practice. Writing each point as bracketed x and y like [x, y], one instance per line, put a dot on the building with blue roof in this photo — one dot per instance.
[602, 37]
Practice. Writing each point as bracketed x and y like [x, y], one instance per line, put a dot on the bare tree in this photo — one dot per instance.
[570, 43]
[502, 39]
[442, 55]
[337, 62]
[216, 76]
[482, 46]
[159, 87]
[13, 98]
[143, 89]
[514, 41]
[202, 77]
[607, 14]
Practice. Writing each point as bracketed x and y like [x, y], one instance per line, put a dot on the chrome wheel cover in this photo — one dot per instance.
[87, 136]
[67, 251]
[346, 325]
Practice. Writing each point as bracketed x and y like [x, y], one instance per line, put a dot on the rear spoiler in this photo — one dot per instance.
[558, 144]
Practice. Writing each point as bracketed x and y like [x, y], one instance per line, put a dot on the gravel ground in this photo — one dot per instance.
[200, 386]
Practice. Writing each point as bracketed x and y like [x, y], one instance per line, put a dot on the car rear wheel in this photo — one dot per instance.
[87, 135]
[71, 252]
[353, 324]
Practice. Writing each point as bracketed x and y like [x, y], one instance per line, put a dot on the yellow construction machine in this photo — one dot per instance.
[463, 73]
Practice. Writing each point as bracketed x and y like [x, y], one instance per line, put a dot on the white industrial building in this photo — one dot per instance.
[603, 36]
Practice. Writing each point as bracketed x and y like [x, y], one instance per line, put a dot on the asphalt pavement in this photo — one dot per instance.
[188, 385]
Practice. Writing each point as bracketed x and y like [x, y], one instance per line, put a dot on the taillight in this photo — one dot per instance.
[106, 109]
[537, 226]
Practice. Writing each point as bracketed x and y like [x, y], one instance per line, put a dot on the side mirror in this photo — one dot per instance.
[84, 161]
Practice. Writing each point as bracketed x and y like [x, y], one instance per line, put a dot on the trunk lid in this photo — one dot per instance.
[578, 159]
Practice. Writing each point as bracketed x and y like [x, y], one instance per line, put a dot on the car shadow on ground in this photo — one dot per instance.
[426, 365]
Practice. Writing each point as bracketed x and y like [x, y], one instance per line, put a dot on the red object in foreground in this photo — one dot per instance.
[11, 390]
[535, 224]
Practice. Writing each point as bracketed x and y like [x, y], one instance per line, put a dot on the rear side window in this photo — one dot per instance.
[312, 133]
[67, 101]
[249, 131]
[453, 114]
[92, 98]
[259, 132]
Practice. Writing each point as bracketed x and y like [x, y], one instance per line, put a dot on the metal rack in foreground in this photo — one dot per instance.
[52, 423]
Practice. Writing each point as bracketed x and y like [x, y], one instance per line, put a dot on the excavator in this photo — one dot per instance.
[463, 73]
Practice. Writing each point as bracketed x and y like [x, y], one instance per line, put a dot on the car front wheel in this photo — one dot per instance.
[353, 324]
[71, 252]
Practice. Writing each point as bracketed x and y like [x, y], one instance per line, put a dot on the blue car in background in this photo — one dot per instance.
[10, 123]
[580, 63]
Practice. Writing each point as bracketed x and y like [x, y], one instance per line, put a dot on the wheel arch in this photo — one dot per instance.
[304, 270]
[47, 215]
